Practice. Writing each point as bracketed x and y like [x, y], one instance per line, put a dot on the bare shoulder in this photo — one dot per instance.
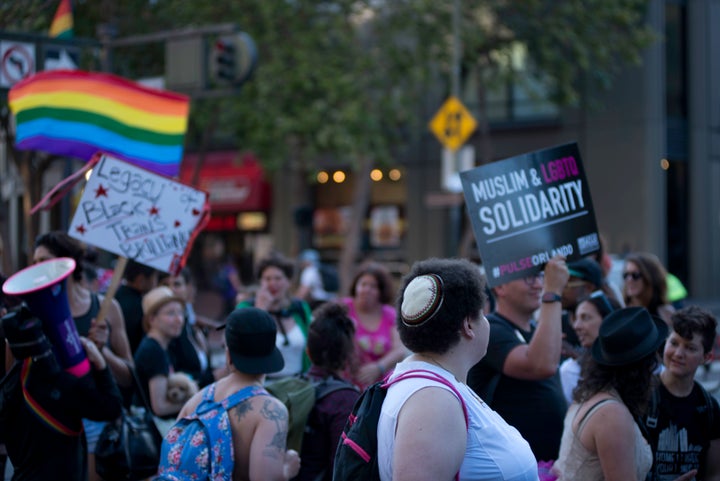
[428, 401]
[611, 421]
[260, 408]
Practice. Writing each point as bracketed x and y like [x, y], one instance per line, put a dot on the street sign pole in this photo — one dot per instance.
[455, 214]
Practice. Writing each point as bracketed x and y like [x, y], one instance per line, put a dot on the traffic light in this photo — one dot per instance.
[232, 59]
[225, 60]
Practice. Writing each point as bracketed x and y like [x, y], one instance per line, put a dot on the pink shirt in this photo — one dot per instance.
[372, 345]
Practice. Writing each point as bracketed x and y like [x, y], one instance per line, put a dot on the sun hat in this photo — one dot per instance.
[628, 335]
[587, 270]
[158, 297]
[250, 339]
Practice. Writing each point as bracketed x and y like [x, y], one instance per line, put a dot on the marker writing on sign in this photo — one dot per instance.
[124, 181]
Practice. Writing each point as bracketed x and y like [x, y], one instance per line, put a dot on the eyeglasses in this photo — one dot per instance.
[632, 275]
[600, 296]
[531, 280]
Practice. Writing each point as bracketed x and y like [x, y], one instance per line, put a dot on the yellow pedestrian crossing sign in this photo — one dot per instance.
[453, 124]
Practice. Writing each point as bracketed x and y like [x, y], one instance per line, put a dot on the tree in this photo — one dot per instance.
[349, 81]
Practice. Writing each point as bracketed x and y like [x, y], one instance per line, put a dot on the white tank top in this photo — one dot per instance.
[495, 450]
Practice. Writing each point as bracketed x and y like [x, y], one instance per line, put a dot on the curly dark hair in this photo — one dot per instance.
[464, 296]
[695, 320]
[62, 245]
[277, 260]
[330, 339]
[382, 277]
[633, 382]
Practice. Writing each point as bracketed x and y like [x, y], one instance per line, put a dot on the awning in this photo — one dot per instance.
[235, 180]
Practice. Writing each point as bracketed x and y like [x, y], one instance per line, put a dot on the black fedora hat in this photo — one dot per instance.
[628, 335]
[250, 339]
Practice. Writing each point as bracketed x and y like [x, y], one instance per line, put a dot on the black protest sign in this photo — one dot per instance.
[528, 208]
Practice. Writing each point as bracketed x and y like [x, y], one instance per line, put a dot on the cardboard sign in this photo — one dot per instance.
[138, 214]
[528, 208]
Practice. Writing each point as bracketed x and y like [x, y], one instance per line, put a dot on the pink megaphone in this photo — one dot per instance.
[42, 287]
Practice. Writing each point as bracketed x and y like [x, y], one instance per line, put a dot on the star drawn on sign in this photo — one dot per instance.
[154, 210]
[101, 191]
[81, 229]
[195, 212]
[177, 223]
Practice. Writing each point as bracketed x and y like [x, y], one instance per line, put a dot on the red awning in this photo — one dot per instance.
[235, 180]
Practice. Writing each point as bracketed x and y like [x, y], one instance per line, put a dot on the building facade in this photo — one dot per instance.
[650, 148]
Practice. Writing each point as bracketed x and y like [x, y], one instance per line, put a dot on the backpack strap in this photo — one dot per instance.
[709, 404]
[653, 407]
[433, 376]
[329, 385]
[651, 417]
[209, 393]
[243, 394]
[208, 403]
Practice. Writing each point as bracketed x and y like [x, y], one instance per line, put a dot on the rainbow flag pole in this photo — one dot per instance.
[77, 113]
[62, 24]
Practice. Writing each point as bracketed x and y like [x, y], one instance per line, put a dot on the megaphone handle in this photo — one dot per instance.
[112, 289]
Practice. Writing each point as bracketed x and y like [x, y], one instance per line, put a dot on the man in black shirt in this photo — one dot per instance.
[518, 377]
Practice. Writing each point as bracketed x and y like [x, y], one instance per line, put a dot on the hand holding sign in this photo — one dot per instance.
[529, 208]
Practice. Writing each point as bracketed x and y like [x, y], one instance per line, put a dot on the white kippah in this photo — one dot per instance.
[422, 298]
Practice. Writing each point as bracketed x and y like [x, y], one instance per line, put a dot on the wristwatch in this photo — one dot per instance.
[550, 297]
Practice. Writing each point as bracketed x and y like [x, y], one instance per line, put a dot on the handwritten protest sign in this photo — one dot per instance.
[528, 208]
[139, 215]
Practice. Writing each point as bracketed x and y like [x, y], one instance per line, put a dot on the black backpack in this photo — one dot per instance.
[299, 394]
[356, 455]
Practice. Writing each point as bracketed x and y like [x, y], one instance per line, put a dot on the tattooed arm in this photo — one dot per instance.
[269, 459]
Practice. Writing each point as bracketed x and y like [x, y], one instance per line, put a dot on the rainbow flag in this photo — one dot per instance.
[77, 113]
[62, 24]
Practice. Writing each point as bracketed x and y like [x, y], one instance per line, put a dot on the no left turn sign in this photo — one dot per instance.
[17, 62]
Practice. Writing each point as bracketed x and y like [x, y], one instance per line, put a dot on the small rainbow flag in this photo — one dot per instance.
[77, 113]
[62, 24]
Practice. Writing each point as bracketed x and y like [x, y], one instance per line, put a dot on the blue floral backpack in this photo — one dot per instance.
[199, 446]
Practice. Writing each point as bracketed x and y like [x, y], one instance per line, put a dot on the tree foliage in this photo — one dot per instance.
[345, 78]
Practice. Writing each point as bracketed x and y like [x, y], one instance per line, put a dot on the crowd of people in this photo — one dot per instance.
[565, 370]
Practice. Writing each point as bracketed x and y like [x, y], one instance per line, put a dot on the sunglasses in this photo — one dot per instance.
[602, 298]
[531, 280]
[632, 275]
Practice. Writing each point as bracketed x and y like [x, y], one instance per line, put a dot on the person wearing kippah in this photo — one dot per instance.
[436, 427]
